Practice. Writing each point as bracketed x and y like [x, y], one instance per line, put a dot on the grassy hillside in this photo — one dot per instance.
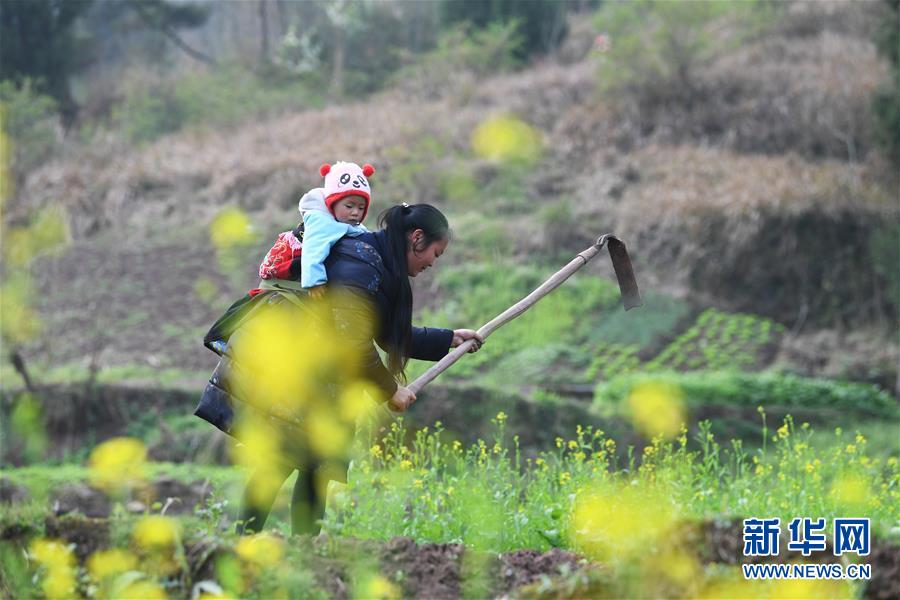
[758, 196]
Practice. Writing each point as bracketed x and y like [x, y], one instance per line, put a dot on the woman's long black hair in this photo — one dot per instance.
[398, 221]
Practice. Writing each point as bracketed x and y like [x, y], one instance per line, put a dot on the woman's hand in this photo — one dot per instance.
[318, 291]
[401, 400]
[462, 335]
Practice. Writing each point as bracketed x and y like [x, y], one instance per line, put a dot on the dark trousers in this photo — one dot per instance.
[307, 504]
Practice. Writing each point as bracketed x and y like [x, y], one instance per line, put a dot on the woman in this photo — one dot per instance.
[368, 276]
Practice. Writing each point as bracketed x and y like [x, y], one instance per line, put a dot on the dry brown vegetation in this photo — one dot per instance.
[762, 196]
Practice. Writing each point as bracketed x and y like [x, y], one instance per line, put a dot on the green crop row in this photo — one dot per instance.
[611, 360]
[753, 390]
[718, 340]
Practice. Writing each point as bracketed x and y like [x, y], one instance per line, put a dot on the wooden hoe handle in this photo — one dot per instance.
[627, 286]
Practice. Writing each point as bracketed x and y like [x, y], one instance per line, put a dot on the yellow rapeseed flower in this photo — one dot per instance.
[118, 463]
[105, 563]
[810, 589]
[51, 554]
[156, 531]
[379, 587]
[851, 492]
[260, 550]
[615, 522]
[57, 559]
[231, 227]
[357, 398]
[507, 139]
[656, 408]
[145, 590]
[328, 437]
[59, 583]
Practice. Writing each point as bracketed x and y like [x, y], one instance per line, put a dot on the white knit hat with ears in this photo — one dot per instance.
[347, 179]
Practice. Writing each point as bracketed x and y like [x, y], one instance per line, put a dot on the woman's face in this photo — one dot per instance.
[419, 256]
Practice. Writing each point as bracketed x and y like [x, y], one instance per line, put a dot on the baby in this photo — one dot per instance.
[329, 213]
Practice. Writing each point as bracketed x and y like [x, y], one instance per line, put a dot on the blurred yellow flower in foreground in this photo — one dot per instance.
[156, 531]
[680, 567]
[118, 463]
[145, 590]
[619, 521]
[851, 492]
[508, 139]
[357, 398]
[379, 587]
[810, 589]
[259, 444]
[57, 559]
[52, 554]
[105, 563]
[329, 437]
[656, 409]
[260, 550]
[231, 227]
[733, 585]
[18, 321]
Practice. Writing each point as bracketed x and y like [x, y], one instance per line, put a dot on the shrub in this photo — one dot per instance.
[886, 103]
[541, 24]
[753, 390]
[227, 96]
[732, 73]
[461, 56]
[658, 49]
[31, 122]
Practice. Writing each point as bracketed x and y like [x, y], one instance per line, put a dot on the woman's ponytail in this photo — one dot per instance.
[398, 221]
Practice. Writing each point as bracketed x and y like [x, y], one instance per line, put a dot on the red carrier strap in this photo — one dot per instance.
[277, 263]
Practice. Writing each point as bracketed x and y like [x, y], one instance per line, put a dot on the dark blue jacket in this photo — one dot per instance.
[355, 265]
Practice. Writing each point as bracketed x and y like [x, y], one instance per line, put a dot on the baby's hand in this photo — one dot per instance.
[318, 291]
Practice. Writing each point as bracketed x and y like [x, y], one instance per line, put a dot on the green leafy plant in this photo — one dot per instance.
[223, 96]
[750, 390]
[31, 124]
[718, 340]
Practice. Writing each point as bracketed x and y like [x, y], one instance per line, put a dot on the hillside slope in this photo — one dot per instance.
[749, 202]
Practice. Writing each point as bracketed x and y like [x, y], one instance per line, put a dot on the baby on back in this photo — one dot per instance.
[329, 213]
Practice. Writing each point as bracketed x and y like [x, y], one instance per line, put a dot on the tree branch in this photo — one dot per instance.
[150, 19]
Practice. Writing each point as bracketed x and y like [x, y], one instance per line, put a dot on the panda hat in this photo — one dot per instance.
[347, 179]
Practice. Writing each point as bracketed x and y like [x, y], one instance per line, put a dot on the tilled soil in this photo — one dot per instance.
[429, 570]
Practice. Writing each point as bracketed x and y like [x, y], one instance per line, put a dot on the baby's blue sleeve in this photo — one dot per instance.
[320, 232]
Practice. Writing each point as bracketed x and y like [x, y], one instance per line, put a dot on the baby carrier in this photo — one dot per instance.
[282, 261]
[279, 271]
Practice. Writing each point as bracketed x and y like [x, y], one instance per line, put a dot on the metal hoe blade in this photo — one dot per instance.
[631, 295]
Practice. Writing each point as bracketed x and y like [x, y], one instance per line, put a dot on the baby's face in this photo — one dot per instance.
[349, 209]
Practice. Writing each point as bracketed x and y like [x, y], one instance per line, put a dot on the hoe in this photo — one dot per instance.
[631, 297]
